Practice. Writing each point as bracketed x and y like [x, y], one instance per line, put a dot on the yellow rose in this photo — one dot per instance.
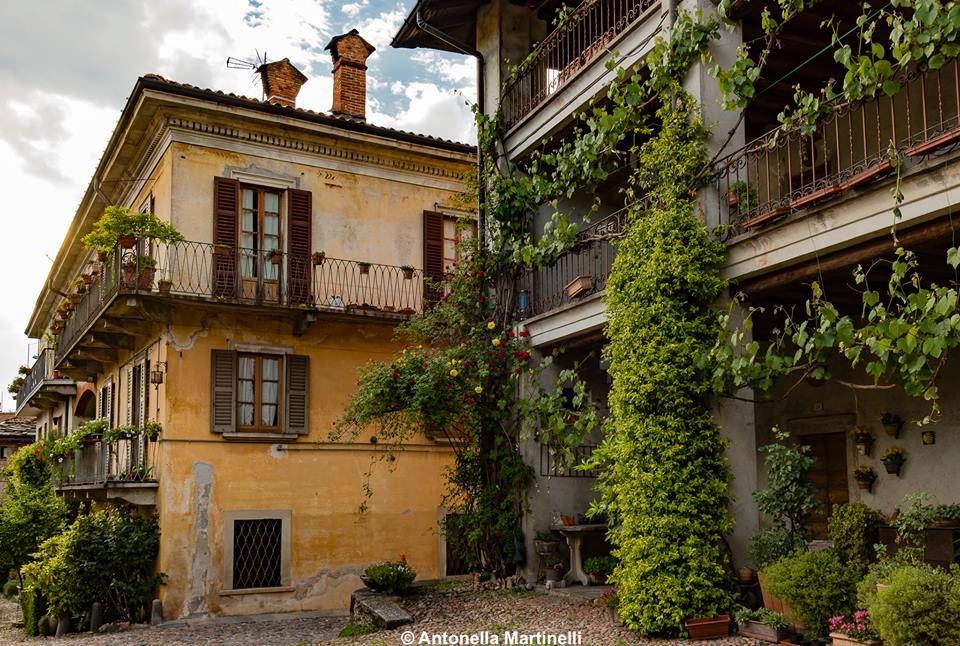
[454, 373]
[495, 342]
[478, 389]
[491, 325]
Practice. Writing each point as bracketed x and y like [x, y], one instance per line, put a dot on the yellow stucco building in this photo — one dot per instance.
[307, 238]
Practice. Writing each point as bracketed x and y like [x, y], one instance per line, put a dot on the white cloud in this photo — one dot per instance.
[379, 30]
[353, 8]
[431, 109]
[461, 69]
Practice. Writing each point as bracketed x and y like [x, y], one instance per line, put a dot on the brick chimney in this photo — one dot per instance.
[350, 53]
[281, 82]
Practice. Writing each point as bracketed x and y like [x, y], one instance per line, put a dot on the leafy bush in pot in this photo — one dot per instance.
[853, 529]
[601, 566]
[816, 586]
[767, 617]
[920, 606]
[770, 545]
[394, 577]
[880, 571]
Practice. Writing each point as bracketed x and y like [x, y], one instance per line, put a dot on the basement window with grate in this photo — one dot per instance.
[257, 551]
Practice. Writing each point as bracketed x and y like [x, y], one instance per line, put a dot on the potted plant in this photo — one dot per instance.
[893, 459]
[102, 255]
[275, 256]
[87, 278]
[610, 601]
[407, 272]
[578, 286]
[598, 568]
[546, 543]
[364, 268]
[892, 423]
[554, 570]
[946, 516]
[393, 577]
[708, 627]
[165, 285]
[863, 441]
[317, 257]
[857, 630]
[763, 624]
[78, 285]
[865, 477]
[120, 226]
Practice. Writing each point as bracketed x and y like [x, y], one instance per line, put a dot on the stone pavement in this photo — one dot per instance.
[450, 609]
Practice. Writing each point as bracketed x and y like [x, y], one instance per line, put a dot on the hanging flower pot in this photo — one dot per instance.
[863, 440]
[407, 272]
[364, 268]
[87, 279]
[865, 478]
[893, 459]
[148, 269]
[164, 285]
[102, 256]
[127, 241]
[317, 257]
[892, 423]
[275, 256]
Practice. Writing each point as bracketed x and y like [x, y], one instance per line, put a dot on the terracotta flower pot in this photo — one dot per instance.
[164, 286]
[407, 274]
[763, 632]
[839, 639]
[708, 627]
[127, 242]
[130, 275]
[145, 279]
[364, 267]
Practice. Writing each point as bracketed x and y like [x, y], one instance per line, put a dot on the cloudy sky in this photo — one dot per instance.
[66, 67]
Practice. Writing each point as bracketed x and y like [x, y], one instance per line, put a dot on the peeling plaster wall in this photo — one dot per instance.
[202, 476]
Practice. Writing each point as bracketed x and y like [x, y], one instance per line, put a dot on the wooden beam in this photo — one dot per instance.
[105, 355]
[112, 340]
[760, 288]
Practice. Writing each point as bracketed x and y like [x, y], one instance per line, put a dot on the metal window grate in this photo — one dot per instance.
[256, 553]
[550, 466]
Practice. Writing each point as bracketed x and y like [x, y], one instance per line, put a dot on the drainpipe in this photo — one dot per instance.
[463, 48]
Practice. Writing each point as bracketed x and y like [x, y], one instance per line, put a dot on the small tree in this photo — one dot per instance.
[787, 500]
[118, 221]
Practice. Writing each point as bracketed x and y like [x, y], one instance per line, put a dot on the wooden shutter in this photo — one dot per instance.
[296, 409]
[223, 386]
[130, 402]
[226, 223]
[432, 255]
[299, 245]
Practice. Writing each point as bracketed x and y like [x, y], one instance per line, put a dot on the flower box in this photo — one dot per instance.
[578, 286]
[839, 639]
[763, 632]
[708, 627]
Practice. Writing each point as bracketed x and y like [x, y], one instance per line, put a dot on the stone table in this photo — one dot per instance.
[574, 536]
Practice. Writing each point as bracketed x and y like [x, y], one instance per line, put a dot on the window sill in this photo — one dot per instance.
[230, 593]
[272, 438]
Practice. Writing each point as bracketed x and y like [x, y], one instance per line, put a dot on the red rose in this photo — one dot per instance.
[524, 333]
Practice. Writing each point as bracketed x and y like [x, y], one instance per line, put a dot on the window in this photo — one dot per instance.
[455, 231]
[256, 549]
[258, 392]
[138, 395]
[259, 232]
[3, 452]
[105, 403]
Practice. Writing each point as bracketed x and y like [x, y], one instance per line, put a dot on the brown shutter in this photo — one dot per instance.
[297, 414]
[226, 223]
[223, 385]
[299, 245]
[432, 254]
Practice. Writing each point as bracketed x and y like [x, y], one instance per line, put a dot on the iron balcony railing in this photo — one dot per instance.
[785, 169]
[579, 272]
[97, 462]
[244, 276]
[585, 35]
[41, 370]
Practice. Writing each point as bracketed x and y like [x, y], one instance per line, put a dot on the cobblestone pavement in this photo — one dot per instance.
[451, 610]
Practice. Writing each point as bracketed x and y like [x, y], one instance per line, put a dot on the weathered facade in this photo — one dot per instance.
[802, 209]
[305, 238]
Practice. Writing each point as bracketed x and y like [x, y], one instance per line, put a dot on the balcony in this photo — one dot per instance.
[43, 388]
[591, 31]
[116, 470]
[579, 273]
[785, 171]
[205, 274]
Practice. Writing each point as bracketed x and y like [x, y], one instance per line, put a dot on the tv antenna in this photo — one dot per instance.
[235, 63]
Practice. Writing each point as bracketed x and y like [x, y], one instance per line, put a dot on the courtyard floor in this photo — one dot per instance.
[451, 610]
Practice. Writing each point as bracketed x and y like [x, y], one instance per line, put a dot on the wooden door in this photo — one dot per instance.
[828, 475]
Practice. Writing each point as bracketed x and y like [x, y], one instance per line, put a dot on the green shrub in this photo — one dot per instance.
[602, 566]
[853, 529]
[355, 630]
[394, 577]
[33, 606]
[10, 589]
[915, 514]
[919, 607]
[880, 571]
[118, 221]
[107, 556]
[29, 514]
[816, 586]
[770, 545]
